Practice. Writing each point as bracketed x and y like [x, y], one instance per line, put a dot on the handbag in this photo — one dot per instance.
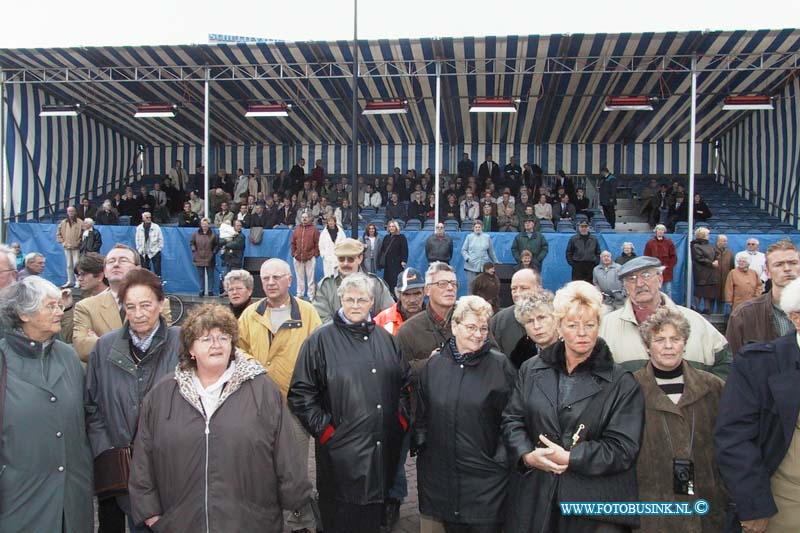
[112, 468]
[256, 235]
[617, 487]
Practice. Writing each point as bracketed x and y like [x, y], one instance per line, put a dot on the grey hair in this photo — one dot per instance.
[702, 233]
[659, 320]
[743, 255]
[790, 297]
[31, 256]
[471, 305]
[628, 243]
[89, 221]
[358, 281]
[25, 298]
[529, 304]
[433, 268]
[107, 203]
[661, 227]
[8, 252]
[239, 275]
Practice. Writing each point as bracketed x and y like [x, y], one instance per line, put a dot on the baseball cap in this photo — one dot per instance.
[410, 278]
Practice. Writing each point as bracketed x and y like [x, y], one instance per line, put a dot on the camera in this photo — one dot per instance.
[683, 476]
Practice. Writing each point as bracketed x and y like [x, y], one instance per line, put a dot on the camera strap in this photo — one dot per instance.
[669, 438]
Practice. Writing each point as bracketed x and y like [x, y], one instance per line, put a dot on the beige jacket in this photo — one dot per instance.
[69, 235]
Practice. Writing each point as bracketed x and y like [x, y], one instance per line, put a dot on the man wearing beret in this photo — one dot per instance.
[349, 255]
[706, 348]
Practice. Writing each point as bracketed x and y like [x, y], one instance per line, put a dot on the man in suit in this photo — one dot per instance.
[562, 181]
[96, 316]
[489, 169]
[466, 167]
[86, 209]
[563, 210]
[179, 177]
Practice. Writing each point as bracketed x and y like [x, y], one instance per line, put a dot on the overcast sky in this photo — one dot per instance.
[51, 23]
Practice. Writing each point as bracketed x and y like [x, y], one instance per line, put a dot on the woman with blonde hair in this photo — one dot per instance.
[704, 270]
[328, 238]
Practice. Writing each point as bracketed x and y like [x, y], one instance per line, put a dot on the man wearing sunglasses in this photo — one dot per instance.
[642, 278]
[349, 256]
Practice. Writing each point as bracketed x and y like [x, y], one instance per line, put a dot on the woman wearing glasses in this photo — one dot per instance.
[123, 366]
[214, 447]
[350, 391]
[45, 459]
[462, 466]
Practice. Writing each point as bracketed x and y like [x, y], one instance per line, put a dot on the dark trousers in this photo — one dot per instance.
[206, 273]
[611, 215]
[152, 263]
[340, 517]
[110, 516]
[450, 527]
[582, 270]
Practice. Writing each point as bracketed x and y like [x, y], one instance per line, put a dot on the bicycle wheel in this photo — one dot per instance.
[176, 307]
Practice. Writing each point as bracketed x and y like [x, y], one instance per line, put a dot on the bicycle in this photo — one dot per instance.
[176, 305]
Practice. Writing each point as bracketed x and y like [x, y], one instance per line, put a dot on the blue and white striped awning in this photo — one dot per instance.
[557, 105]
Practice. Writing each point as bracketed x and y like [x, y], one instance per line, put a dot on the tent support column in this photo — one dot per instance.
[438, 150]
[354, 136]
[690, 200]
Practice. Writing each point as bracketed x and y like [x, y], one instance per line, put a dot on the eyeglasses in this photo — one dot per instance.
[472, 329]
[8, 270]
[220, 339]
[348, 259]
[54, 307]
[276, 277]
[752, 243]
[644, 276]
[355, 301]
[120, 261]
[444, 283]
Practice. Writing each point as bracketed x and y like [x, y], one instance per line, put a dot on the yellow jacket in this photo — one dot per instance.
[277, 352]
[69, 235]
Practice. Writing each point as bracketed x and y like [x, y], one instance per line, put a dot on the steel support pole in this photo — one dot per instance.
[354, 138]
[438, 150]
[2, 158]
[205, 286]
[690, 200]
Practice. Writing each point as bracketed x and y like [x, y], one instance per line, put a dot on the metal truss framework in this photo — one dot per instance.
[741, 62]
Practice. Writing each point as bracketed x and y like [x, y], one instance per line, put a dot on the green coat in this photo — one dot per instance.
[536, 245]
[45, 460]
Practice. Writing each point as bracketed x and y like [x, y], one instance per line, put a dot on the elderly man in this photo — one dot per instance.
[238, 286]
[583, 252]
[8, 266]
[605, 277]
[179, 176]
[706, 348]
[760, 319]
[305, 250]
[34, 266]
[439, 246]
[272, 331]
[758, 260]
[91, 240]
[149, 243]
[349, 255]
[68, 236]
[507, 334]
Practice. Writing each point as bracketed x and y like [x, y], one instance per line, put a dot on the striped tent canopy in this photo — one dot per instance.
[561, 81]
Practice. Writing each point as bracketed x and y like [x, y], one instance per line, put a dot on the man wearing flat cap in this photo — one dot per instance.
[706, 348]
[583, 253]
[349, 255]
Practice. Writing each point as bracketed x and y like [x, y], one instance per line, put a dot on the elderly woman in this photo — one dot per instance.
[628, 253]
[204, 244]
[742, 283]
[681, 404]
[573, 425]
[462, 468]
[328, 238]
[239, 287]
[123, 366]
[525, 261]
[477, 250]
[350, 391]
[535, 314]
[704, 270]
[213, 445]
[372, 247]
[45, 459]
[393, 254]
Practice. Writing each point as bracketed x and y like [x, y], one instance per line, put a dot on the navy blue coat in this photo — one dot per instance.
[756, 423]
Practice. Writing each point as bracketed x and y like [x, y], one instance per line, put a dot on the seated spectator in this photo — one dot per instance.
[160, 202]
[243, 216]
[175, 197]
[523, 201]
[196, 202]
[286, 213]
[430, 207]
[107, 216]
[370, 198]
[216, 199]
[325, 211]
[344, 214]
[543, 210]
[116, 201]
[470, 209]
[417, 208]
[563, 210]
[328, 191]
[508, 220]
[450, 210]
[742, 283]
[147, 203]
[678, 212]
[628, 253]
[394, 209]
[487, 219]
[701, 210]
[260, 218]
[582, 203]
[86, 210]
[129, 206]
[489, 200]
[188, 218]
[224, 216]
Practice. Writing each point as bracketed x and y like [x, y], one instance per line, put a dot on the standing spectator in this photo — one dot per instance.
[357, 449]
[605, 277]
[91, 240]
[701, 210]
[68, 236]
[525, 261]
[439, 246]
[393, 254]
[662, 248]
[305, 250]
[179, 177]
[188, 218]
[762, 319]
[628, 253]
[646, 197]
[257, 183]
[318, 174]
[543, 210]
[726, 264]
[681, 405]
[204, 245]
[466, 167]
[394, 209]
[297, 175]
[742, 284]
[232, 249]
[107, 216]
[188, 483]
[533, 241]
[476, 250]
[410, 293]
[160, 209]
[238, 284]
[147, 203]
[512, 175]
[123, 367]
[89, 273]
[608, 195]
[758, 260]
[705, 271]
[756, 436]
[19, 256]
[583, 253]
[8, 270]
[332, 235]
[273, 331]
[571, 383]
[507, 333]
[47, 463]
[149, 243]
[241, 185]
[462, 464]
[534, 312]
[489, 170]
[487, 286]
[34, 266]
[372, 247]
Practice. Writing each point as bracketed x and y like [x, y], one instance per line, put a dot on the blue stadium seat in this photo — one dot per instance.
[413, 224]
[681, 227]
[430, 224]
[466, 225]
[451, 225]
[124, 220]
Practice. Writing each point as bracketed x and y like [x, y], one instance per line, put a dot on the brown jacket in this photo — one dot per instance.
[69, 235]
[725, 258]
[742, 286]
[204, 248]
[487, 286]
[305, 242]
[751, 322]
[699, 402]
[242, 462]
